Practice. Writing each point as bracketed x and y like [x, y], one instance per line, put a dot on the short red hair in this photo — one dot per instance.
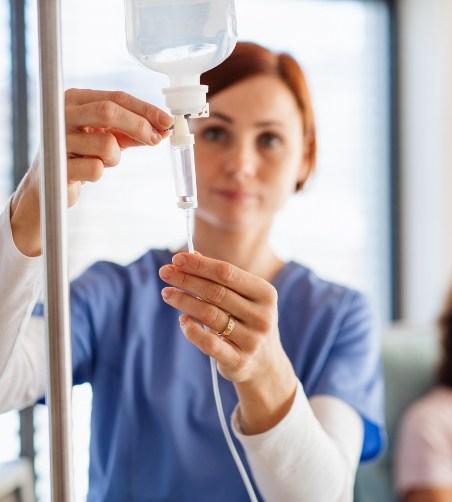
[249, 60]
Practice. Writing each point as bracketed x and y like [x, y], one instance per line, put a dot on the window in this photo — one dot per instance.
[341, 229]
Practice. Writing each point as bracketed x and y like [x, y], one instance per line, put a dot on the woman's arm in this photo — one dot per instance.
[22, 357]
[252, 356]
[273, 414]
[317, 440]
[99, 125]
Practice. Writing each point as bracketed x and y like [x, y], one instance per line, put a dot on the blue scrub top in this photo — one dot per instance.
[155, 433]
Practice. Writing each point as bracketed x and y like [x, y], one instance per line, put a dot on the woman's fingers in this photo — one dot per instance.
[121, 117]
[222, 273]
[109, 115]
[153, 113]
[211, 293]
[207, 314]
[99, 124]
[83, 169]
[157, 118]
[103, 146]
[209, 343]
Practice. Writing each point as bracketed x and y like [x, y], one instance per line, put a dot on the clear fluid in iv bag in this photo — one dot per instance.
[185, 57]
[180, 37]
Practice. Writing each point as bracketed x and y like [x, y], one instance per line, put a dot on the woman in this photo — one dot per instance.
[299, 357]
[424, 450]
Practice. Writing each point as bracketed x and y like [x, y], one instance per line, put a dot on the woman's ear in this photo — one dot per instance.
[307, 164]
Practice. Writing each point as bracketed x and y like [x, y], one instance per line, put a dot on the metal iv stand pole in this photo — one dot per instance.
[53, 193]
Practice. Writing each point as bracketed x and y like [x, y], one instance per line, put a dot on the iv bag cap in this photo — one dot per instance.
[181, 137]
[187, 100]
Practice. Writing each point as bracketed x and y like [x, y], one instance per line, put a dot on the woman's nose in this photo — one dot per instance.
[241, 161]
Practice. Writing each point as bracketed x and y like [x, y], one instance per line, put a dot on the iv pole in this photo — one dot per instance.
[53, 193]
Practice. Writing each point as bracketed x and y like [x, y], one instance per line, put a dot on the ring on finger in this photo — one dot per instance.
[229, 327]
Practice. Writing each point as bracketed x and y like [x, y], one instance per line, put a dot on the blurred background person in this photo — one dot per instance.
[423, 461]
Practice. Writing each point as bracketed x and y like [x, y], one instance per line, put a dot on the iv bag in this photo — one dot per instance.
[180, 38]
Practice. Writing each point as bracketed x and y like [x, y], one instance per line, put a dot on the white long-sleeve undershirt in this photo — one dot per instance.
[22, 343]
[313, 452]
[310, 455]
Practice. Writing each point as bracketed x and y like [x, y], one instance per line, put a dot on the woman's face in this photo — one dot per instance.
[249, 153]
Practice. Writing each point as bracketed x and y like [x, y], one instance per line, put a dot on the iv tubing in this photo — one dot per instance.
[188, 221]
[227, 434]
[216, 390]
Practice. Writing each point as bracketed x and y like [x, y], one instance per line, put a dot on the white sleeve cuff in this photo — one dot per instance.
[291, 460]
[267, 438]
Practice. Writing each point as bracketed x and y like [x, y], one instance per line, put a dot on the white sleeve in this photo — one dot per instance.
[22, 343]
[311, 454]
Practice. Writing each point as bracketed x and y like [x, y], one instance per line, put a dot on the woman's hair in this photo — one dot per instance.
[445, 326]
[249, 60]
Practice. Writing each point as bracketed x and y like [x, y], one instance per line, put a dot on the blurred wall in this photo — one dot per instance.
[426, 155]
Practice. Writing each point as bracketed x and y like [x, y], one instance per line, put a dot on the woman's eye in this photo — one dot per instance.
[214, 134]
[270, 140]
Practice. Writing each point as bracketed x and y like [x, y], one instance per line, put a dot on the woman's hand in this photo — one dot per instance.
[209, 291]
[99, 125]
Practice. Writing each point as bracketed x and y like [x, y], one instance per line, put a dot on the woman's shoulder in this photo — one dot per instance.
[327, 314]
[307, 285]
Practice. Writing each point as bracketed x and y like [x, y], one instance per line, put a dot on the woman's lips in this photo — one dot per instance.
[234, 195]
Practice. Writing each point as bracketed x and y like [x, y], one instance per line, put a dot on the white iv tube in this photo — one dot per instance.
[189, 226]
[227, 434]
[216, 389]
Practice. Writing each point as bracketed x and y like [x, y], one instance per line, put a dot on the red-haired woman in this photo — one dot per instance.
[301, 365]
[424, 449]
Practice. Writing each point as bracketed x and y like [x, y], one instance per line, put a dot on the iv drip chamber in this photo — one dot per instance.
[184, 164]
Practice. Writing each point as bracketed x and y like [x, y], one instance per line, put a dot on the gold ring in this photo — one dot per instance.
[230, 326]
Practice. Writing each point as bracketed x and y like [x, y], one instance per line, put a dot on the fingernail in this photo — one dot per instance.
[166, 271]
[167, 293]
[155, 137]
[165, 120]
[183, 320]
[179, 260]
